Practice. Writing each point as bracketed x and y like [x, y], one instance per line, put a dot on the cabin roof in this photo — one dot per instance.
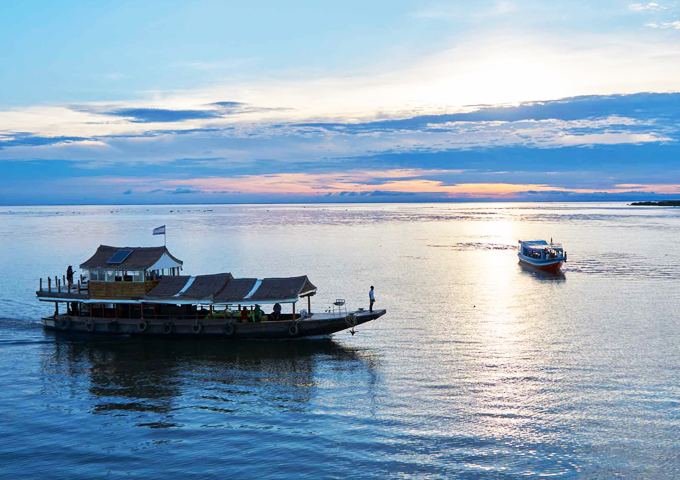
[184, 288]
[540, 245]
[139, 258]
[223, 288]
[236, 290]
[272, 289]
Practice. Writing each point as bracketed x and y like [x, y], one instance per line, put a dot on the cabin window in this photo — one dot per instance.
[137, 276]
[110, 276]
[94, 276]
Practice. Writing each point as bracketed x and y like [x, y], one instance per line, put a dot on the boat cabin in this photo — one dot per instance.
[540, 250]
[127, 272]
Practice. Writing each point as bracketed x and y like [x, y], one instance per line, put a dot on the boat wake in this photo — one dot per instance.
[623, 265]
[466, 246]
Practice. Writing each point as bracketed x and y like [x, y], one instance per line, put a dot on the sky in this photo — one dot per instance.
[122, 102]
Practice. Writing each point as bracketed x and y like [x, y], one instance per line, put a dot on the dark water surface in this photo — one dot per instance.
[480, 369]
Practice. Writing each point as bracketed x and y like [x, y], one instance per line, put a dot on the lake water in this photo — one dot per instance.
[480, 369]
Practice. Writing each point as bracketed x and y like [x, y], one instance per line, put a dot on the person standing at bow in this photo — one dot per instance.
[371, 298]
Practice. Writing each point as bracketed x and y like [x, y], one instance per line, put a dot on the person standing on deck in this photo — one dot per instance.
[69, 275]
[371, 298]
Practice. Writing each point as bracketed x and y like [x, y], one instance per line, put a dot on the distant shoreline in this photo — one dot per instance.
[661, 203]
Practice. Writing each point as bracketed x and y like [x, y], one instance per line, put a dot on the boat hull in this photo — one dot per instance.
[316, 325]
[543, 265]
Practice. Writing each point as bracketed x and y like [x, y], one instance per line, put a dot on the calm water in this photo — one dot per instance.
[480, 369]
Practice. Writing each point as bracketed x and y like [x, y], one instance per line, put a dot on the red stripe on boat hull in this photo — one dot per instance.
[551, 267]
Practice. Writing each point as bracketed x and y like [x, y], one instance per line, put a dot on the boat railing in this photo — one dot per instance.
[61, 285]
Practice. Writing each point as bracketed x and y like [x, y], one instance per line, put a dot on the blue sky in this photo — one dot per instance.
[166, 102]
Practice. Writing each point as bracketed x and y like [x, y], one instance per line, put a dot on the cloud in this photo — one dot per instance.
[454, 12]
[503, 7]
[182, 191]
[642, 7]
[581, 144]
[236, 108]
[29, 140]
[675, 24]
[156, 115]
[176, 191]
[383, 193]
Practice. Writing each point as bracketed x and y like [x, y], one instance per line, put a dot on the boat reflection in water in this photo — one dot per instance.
[175, 377]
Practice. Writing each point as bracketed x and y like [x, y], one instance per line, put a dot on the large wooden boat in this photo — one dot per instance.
[140, 291]
[541, 255]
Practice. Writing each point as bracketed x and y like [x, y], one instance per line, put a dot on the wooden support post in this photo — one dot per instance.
[58, 285]
[49, 284]
[212, 315]
[64, 279]
[293, 310]
[78, 287]
[309, 304]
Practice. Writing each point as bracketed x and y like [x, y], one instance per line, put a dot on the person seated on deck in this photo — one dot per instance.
[276, 315]
[244, 315]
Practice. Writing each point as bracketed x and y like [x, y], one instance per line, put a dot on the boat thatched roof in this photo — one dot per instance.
[236, 290]
[273, 289]
[139, 258]
[184, 288]
[223, 289]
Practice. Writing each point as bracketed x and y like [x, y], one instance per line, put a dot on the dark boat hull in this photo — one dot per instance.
[309, 327]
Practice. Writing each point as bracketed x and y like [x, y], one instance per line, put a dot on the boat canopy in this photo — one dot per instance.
[185, 288]
[224, 289]
[539, 245]
[131, 258]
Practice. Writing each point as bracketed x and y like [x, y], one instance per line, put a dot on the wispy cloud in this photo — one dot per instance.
[646, 7]
[453, 11]
[182, 191]
[674, 24]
